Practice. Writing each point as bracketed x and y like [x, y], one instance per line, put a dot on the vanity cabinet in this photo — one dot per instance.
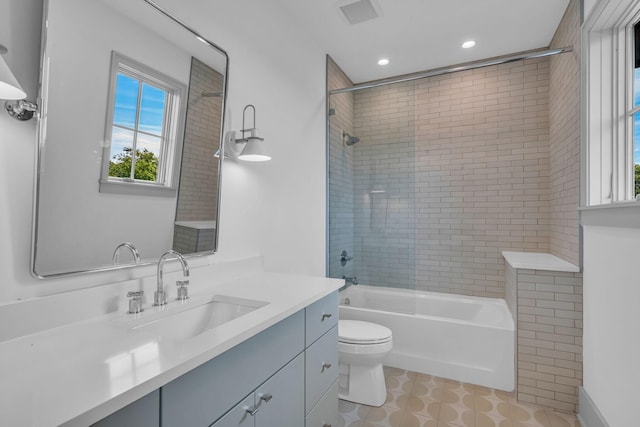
[321, 363]
[286, 376]
[204, 394]
[325, 413]
[144, 412]
[277, 402]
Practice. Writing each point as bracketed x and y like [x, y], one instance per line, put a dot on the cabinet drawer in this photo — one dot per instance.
[205, 393]
[321, 316]
[281, 397]
[325, 413]
[238, 416]
[321, 367]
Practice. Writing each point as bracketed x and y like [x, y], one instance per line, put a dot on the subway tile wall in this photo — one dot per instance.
[549, 337]
[483, 165]
[384, 185]
[564, 130]
[188, 240]
[465, 161]
[197, 199]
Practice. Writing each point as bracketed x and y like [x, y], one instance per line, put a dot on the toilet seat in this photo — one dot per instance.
[362, 333]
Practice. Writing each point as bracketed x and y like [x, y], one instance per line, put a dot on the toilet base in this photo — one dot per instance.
[362, 384]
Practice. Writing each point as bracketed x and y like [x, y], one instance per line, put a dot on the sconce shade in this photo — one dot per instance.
[254, 150]
[9, 86]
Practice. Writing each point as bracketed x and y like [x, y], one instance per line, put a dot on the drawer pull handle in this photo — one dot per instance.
[326, 425]
[325, 316]
[253, 411]
[266, 397]
[325, 366]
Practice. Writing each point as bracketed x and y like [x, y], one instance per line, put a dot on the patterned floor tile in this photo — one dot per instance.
[397, 398]
[415, 420]
[557, 419]
[422, 405]
[529, 416]
[428, 386]
[421, 400]
[387, 416]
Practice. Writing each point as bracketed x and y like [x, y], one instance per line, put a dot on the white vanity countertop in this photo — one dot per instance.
[539, 261]
[77, 374]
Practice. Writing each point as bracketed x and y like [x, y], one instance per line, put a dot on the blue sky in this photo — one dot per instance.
[152, 107]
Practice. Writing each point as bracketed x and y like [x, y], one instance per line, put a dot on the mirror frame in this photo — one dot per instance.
[40, 148]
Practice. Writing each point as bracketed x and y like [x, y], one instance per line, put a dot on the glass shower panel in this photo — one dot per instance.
[372, 189]
[340, 209]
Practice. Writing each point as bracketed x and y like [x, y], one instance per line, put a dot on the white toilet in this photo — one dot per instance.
[361, 348]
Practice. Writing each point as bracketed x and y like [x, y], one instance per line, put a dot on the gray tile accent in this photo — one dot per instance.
[548, 313]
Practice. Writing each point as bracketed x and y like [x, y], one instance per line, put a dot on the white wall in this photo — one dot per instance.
[276, 209]
[611, 322]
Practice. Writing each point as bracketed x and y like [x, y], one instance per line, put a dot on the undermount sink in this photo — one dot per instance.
[201, 317]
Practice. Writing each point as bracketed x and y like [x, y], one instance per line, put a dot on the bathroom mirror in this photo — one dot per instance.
[132, 105]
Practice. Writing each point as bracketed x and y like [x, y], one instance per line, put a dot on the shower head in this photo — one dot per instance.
[349, 140]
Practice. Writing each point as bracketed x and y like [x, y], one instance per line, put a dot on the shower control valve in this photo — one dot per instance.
[344, 258]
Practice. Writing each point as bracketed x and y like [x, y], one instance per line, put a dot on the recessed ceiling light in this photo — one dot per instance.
[468, 44]
[383, 61]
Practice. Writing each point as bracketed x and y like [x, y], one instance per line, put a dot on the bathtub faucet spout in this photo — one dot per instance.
[350, 280]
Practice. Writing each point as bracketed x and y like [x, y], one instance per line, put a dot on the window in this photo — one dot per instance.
[611, 71]
[143, 131]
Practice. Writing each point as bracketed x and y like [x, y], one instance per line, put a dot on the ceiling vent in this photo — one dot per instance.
[358, 11]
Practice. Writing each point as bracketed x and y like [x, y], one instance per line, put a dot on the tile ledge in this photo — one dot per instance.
[538, 261]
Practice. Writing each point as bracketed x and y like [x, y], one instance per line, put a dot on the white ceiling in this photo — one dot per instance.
[418, 35]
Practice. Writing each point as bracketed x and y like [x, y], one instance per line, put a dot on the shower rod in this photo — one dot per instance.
[454, 69]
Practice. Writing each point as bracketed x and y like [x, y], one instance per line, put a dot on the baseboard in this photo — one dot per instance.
[588, 413]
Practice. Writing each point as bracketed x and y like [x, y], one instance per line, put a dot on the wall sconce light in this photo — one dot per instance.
[249, 148]
[11, 90]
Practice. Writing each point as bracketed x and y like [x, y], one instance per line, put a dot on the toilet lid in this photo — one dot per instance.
[358, 332]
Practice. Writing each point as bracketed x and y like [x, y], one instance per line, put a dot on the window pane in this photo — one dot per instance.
[147, 155]
[121, 148]
[124, 113]
[152, 109]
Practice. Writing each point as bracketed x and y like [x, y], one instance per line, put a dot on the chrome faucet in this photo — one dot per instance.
[133, 249]
[350, 280]
[160, 296]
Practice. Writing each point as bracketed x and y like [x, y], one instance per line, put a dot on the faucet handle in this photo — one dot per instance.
[183, 292]
[135, 303]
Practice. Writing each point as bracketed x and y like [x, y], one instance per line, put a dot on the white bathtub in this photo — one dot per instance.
[469, 339]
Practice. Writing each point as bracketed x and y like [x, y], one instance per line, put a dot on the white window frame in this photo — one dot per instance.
[172, 137]
[631, 110]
